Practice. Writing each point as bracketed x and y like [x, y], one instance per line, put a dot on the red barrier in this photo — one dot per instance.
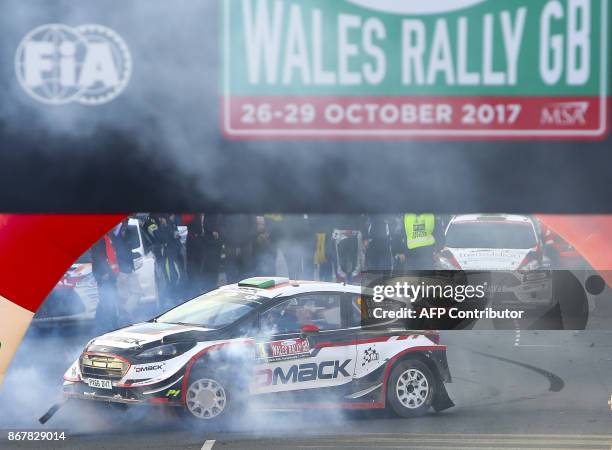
[591, 235]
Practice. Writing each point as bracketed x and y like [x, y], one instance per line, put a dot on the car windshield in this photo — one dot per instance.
[490, 235]
[215, 309]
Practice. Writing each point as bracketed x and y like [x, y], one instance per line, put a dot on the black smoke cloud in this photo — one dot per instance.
[158, 146]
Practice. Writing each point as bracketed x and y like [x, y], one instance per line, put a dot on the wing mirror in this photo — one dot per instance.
[309, 328]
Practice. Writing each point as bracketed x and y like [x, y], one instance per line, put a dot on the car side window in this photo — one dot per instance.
[322, 310]
[354, 311]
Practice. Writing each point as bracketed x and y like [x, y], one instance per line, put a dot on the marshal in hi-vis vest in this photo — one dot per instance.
[419, 230]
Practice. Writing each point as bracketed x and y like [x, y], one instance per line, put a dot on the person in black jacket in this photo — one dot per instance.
[195, 253]
[204, 250]
[168, 257]
[298, 246]
[128, 286]
[106, 278]
[239, 232]
[377, 241]
[212, 249]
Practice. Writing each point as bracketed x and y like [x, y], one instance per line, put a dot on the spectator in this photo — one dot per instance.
[298, 246]
[239, 232]
[348, 246]
[417, 237]
[323, 255]
[211, 250]
[104, 268]
[377, 242]
[264, 250]
[168, 257]
[128, 286]
[195, 253]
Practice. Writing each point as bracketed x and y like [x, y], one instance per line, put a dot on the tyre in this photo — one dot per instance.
[208, 398]
[411, 388]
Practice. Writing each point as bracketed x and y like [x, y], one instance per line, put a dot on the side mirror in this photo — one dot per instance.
[309, 328]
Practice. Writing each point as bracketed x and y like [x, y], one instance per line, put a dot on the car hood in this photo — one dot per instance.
[489, 258]
[145, 333]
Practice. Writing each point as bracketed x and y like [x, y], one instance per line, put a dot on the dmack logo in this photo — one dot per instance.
[148, 368]
[326, 370]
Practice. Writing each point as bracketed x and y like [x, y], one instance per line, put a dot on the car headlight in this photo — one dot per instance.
[445, 264]
[166, 350]
[73, 374]
[445, 260]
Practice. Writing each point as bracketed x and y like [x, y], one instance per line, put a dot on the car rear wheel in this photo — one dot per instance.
[411, 388]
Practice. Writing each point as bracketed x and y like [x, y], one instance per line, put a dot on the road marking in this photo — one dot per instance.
[517, 333]
[539, 345]
[517, 339]
[208, 445]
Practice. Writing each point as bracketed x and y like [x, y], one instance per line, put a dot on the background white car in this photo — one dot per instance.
[509, 249]
[491, 242]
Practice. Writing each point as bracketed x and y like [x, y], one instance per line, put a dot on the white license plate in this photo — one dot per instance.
[100, 384]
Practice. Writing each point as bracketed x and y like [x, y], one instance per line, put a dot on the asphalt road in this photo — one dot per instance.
[512, 390]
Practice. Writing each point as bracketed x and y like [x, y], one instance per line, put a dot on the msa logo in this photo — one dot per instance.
[326, 370]
[564, 113]
[57, 64]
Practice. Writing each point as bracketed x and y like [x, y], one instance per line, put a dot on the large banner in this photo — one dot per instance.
[451, 69]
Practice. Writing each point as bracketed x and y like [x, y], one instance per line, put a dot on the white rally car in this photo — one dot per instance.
[491, 242]
[510, 248]
[297, 344]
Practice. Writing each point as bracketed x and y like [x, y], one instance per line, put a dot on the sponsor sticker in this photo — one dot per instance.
[370, 355]
[147, 371]
[285, 349]
[325, 370]
[381, 69]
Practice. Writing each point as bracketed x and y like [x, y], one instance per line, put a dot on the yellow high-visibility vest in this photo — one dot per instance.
[319, 256]
[419, 230]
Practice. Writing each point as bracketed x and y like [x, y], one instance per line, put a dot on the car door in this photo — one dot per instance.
[291, 360]
[144, 263]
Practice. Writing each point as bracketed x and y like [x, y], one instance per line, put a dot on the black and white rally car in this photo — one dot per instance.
[298, 344]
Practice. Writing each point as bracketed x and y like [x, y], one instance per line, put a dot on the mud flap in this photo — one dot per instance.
[442, 400]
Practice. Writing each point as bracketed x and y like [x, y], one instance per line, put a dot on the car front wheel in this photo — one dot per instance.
[207, 398]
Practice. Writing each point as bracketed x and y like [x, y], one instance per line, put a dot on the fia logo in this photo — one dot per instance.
[57, 64]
